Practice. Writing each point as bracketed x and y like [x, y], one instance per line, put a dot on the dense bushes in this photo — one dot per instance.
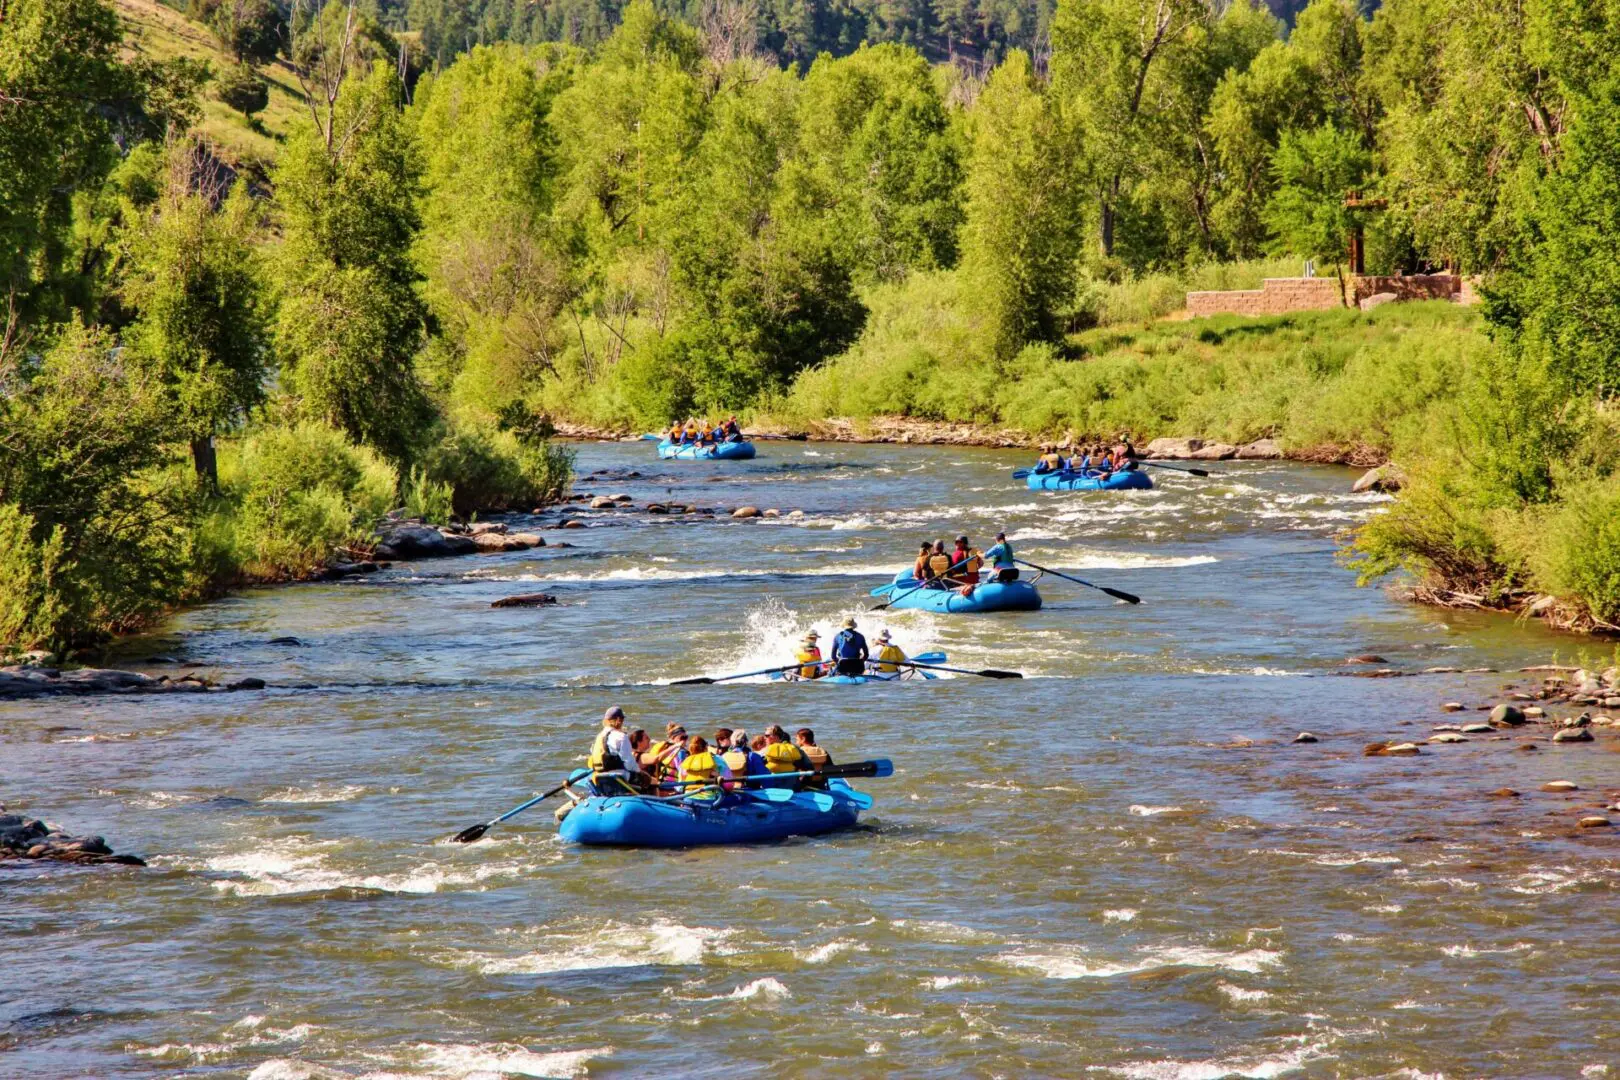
[297, 494]
[487, 469]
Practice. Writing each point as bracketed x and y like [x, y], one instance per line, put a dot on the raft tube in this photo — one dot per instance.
[990, 596]
[726, 451]
[1132, 480]
[738, 818]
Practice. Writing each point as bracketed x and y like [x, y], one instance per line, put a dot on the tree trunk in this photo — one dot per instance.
[205, 461]
[1108, 203]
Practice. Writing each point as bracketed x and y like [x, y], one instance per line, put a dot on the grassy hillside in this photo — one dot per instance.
[151, 29]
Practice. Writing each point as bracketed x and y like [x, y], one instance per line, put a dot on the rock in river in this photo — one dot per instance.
[1572, 734]
[1507, 716]
[1305, 737]
[1560, 786]
[538, 599]
[30, 838]
[413, 541]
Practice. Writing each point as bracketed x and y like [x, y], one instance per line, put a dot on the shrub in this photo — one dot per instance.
[242, 90]
[302, 493]
[1577, 554]
[490, 469]
[428, 500]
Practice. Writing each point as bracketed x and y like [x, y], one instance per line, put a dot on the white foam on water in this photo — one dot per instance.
[232, 1044]
[289, 867]
[874, 1047]
[1153, 811]
[1074, 963]
[316, 794]
[881, 572]
[1383, 909]
[158, 800]
[615, 945]
[768, 989]
[1253, 1068]
[1466, 951]
[1241, 996]
[945, 982]
[822, 953]
[1120, 914]
[462, 1062]
[940, 930]
[1119, 560]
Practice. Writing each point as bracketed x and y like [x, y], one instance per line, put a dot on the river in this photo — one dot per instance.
[1120, 866]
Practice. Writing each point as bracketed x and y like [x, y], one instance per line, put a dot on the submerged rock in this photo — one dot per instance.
[1572, 734]
[1560, 786]
[1305, 737]
[526, 600]
[1477, 729]
[1447, 737]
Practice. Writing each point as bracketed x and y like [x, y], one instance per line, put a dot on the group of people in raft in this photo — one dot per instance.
[850, 655]
[960, 567]
[1100, 461]
[680, 764]
[700, 433]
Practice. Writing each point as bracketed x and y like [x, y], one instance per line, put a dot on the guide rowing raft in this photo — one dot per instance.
[724, 451]
[1123, 480]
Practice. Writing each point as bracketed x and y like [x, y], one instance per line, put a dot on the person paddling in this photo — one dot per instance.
[810, 657]
[849, 651]
[919, 569]
[1049, 461]
[741, 759]
[612, 760]
[781, 756]
[701, 768]
[1000, 557]
[732, 431]
[967, 563]
[663, 759]
[890, 655]
[939, 565]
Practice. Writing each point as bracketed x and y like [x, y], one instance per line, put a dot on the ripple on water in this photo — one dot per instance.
[1074, 962]
[597, 947]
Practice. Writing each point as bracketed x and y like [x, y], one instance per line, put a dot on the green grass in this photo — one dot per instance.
[1323, 379]
[162, 33]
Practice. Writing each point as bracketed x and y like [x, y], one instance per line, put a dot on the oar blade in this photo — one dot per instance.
[882, 767]
[930, 658]
[701, 680]
[1199, 472]
[992, 673]
[467, 836]
[1129, 598]
[1019, 474]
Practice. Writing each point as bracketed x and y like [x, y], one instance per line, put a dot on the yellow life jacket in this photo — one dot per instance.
[600, 760]
[810, 657]
[675, 433]
[975, 561]
[661, 770]
[704, 766]
[1051, 461]
[938, 564]
[887, 659]
[783, 757]
[819, 758]
[736, 760]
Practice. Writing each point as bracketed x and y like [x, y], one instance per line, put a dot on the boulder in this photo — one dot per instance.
[1367, 303]
[798, 515]
[1452, 706]
[1305, 737]
[1383, 478]
[572, 523]
[246, 684]
[657, 508]
[1259, 450]
[772, 513]
[497, 542]
[1507, 716]
[621, 497]
[1214, 452]
[1560, 786]
[340, 570]
[413, 541]
[745, 512]
[1572, 734]
[1593, 821]
[602, 502]
[527, 540]
[526, 600]
[1403, 749]
[1171, 449]
[1504, 793]
[479, 528]
[1534, 712]
[105, 678]
[1366, 658]
[1447, 737]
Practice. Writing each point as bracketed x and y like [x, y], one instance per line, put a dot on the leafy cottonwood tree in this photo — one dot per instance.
[1022, 233]
[1314, 171]
[350, 321]
[194, 275]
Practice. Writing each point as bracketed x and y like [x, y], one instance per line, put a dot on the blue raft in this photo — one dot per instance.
[726, 451]
[1132, 480]
[737, 818]
[991, 596]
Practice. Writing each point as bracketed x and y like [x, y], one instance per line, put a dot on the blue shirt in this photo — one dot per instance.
[849, 645]
[1001, 555]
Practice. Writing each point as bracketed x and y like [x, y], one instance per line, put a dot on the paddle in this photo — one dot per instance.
[705, 680]
[988, 673]
[924, 585]
[1175, 468]
[1115, 593]
[467, 836]
[879, 767]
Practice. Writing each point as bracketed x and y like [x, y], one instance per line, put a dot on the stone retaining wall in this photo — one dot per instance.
[1279, 296]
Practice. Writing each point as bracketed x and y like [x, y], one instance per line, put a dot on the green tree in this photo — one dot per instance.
[1314, 171]
[350, 321]
[252, 31]
[96, 539]
[193, 274]
[1022, 234]
[241, 89]
[881, 161]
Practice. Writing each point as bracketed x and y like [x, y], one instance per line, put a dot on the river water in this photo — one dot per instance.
[1120, 866]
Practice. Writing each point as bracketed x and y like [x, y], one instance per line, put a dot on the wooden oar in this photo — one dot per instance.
[467, 836]
[1129, 598]
[924, 585]
[879, 767]
[988, 673]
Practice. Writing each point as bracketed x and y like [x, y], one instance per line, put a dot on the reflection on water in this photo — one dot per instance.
[1120, 866]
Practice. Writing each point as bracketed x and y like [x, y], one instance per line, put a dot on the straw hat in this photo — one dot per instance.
[849, 623]
[883, 637]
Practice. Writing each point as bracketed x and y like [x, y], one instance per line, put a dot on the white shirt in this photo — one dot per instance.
[617, 742]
